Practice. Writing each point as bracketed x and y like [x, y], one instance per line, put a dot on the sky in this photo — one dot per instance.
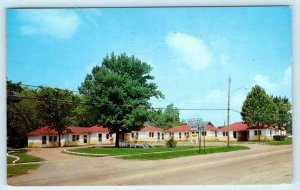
[193, 51]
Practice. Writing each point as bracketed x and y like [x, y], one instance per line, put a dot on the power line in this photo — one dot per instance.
[108, 104]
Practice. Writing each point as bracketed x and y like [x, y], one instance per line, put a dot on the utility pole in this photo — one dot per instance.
[228, 109]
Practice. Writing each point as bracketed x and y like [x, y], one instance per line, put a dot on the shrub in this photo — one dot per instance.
[171, 142]
[278, 137]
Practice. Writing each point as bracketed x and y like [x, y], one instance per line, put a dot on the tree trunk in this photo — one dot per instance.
[59, 133]
[258, 133]
[117, 139]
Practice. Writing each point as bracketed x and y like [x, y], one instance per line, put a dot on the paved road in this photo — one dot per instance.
[262, 164]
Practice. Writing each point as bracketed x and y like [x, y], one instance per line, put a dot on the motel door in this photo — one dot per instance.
[44, 140]
[158, 136]
[162, 136]
[84, 138]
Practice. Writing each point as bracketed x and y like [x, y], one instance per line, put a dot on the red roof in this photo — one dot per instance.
[151, 129]
[45, 130]
[99, 129]
[72, 129]
[180, 128]
[261, 127]
[210, 127]
[237, 126]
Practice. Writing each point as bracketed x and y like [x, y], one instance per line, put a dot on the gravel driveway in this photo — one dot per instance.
[262, 164]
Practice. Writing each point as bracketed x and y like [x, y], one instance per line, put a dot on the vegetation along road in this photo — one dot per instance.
[261, 164]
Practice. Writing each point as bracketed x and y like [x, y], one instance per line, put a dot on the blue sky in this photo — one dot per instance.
[192, 50]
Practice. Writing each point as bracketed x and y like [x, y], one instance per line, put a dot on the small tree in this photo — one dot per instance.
[284, 111]
[55, 106]
[258, 109]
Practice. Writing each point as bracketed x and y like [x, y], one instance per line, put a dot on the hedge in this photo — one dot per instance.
[278, 137]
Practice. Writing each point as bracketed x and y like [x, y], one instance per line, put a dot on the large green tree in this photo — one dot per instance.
[284, 111]
[259, 109]
[55, 107]
[120, 89]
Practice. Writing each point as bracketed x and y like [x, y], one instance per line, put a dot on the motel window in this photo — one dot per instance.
[50, 138]
[132, 135]
[179, 135]
[151, 134]
[270, 132]
[110, 135]
[204, 133]
[77, 137]
[215, 133]
[99, 137]
[107, 136]
[73, 137]
[55, 138]
[225, 134]
[259, 132]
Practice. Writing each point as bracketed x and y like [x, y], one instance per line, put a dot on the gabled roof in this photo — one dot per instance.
[150, 129]
[209, 126]
[70, 130]
[45, 130]
[237, 126]
[99, 129]
[180, 128]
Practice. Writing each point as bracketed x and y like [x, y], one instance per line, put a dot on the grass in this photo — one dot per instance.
[9, 159]
[169, 155]
[287, 141]
[24, 157]
[13, 170]
[156, 153]
[126, 151]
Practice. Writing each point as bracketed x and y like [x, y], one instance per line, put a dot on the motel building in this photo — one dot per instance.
[73, 136]
[97, 135]
[240, 131]
[147, 133]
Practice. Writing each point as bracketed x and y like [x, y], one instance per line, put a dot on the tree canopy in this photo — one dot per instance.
[29, 109]
[166, 118]
[121, 88]
[259, 109]
[55, 106]
[284, 113]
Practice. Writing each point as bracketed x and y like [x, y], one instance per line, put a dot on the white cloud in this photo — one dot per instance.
[264, 82]
[56, 23]
[281, 87]
[287, 76]
[223, 59]
[194, 51]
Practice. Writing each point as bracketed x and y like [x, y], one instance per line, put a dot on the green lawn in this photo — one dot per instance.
[287, 141]
[125, 151]
[24, 157]
[157, 152]
[10, 159]
[13, 170]
[168, 155]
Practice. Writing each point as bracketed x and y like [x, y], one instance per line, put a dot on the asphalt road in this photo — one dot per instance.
[262, 164]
